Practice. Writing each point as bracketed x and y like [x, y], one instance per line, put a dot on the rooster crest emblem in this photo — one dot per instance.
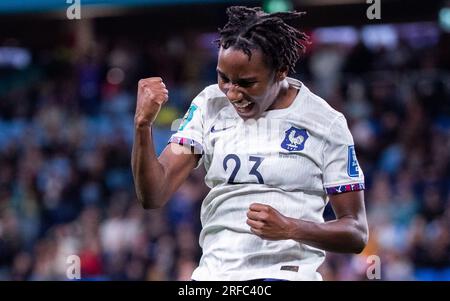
[295, 139]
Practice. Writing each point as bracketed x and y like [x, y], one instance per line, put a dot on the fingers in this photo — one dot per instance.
[153, 89]
[266, 222]
[257, 232]
[256, 221]
[150, 80]
[259, 207]
[150, 90]
[154, 83]
[152, 93]
[257, 215]
[256, 227]
[158, 95]
[255, 224]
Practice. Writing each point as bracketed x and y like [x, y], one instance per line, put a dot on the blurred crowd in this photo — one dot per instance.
[66, 130]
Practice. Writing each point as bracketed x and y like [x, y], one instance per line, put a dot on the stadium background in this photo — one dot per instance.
[67, 98]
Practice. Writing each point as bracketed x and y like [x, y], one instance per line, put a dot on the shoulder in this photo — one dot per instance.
[316, 114]
[211, 100]
[212, 92]
[332, 122]
[318, 109]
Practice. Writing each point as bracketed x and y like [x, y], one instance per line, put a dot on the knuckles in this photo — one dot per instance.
[264, 216]
[153, 91]
[152, 82]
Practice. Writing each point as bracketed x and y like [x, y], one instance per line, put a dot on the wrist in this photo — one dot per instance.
[142, 124]
[294, 229]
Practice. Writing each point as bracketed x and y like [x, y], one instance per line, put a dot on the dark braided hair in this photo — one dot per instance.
[250, 28]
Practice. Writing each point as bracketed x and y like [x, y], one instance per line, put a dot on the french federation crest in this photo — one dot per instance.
[295, 139]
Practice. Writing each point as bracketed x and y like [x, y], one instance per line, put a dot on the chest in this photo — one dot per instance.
[277, 152]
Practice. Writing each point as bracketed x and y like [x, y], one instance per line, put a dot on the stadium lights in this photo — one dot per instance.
[444, 18]
[272, 6]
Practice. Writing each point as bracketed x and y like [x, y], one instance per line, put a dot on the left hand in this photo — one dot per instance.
[268, 223]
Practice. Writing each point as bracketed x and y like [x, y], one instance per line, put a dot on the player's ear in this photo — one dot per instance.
[282, 73]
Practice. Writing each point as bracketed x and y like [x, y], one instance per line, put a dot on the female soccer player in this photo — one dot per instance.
[274, 152]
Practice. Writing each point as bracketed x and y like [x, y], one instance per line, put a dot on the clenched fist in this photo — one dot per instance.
[151, 95]
[266, 222]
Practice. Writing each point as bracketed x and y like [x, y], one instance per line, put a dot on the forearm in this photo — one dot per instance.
[148, 172]
[342, 235]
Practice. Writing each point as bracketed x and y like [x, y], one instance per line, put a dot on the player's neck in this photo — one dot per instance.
[285, 98]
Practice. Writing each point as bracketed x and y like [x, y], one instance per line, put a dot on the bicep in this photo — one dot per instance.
[178, 162]
[349, 204]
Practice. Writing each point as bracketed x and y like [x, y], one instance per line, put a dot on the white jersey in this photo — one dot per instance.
[290, 159]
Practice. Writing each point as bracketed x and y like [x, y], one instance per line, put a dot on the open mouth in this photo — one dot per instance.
[243, 106]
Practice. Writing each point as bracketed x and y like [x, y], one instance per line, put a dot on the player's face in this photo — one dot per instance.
[250, 85]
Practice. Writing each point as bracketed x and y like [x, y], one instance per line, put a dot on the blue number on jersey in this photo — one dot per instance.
[254, 171]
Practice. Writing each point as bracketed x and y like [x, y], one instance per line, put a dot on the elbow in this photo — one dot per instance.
[150, 204]
[359, 246]
[360, 240]
[147, 205]
[148, 199]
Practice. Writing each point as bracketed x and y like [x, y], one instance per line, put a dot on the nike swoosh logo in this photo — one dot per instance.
[214, 130]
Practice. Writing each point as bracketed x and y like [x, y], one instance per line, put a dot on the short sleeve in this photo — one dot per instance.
[190, 131]
[341, 170]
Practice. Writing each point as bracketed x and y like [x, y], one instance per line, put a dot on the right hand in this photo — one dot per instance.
[151, 95]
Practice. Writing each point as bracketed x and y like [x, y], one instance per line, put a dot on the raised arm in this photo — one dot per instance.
[155, 179]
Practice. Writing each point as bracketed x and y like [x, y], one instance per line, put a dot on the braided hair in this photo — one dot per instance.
[252, 28]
